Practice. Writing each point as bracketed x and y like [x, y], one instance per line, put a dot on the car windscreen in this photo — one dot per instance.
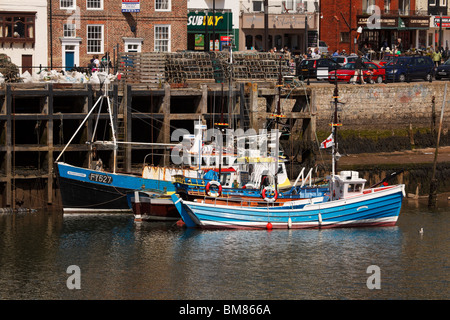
[400, 62]
[307, 63]
[349, 66]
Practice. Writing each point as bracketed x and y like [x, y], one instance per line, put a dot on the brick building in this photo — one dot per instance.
[23, 30]
[80, 29]
[381, 22]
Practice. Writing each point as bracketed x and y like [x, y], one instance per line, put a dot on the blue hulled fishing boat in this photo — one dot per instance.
[352, 206]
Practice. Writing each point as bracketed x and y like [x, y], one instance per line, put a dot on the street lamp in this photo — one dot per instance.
[206, 41]
[440, 31]
[266, 25]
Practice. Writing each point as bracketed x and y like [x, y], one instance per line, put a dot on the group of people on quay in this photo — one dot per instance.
[439, 55]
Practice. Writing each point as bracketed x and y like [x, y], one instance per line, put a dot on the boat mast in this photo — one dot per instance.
[334, 125]
[334, 128]
[277, 146]
[222, 125]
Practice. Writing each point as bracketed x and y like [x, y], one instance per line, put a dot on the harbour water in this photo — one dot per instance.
[120, 259]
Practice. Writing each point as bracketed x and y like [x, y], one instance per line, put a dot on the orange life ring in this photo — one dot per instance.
[271, 189]
[212, 194]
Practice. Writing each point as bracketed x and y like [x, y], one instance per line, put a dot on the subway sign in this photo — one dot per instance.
[221, 21]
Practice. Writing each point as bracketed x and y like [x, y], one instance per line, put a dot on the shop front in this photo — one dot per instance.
[439, 33]
[385, 31]
[208, 31]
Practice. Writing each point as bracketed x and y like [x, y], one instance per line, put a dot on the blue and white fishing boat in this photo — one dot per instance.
[349, 206]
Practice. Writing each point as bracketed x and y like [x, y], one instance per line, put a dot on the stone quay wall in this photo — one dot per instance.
[383, 106]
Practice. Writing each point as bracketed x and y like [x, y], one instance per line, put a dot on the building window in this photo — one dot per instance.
[162, 5]
[257, 6]
[132, 48]
[403, 7]
[287, 5]
[17, 27]
[345, 36]
[67, 4]
[387, 6]
[95, 39]
[69, 30]
[162, 38]
[94, 4]
[367, 6]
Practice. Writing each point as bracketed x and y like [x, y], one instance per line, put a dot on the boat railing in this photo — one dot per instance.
[371, 190]
[307, 179]
[237, 201]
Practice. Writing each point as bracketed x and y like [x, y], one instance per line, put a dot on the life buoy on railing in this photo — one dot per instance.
[213, 194]
[270, 189]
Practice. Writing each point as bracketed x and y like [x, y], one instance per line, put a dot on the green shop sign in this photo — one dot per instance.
[221, 21]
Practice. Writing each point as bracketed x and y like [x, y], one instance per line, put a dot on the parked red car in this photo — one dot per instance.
[371, 73]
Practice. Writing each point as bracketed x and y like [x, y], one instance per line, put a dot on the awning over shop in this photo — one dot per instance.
[394, 22]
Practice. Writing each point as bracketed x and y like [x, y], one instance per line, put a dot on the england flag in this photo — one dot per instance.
[327, 143]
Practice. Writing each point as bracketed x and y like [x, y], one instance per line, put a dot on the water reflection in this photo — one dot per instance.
[120, 259]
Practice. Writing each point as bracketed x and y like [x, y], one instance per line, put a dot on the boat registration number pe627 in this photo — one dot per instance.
[103, 178]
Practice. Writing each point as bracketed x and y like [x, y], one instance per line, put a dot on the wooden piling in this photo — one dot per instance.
[432, 198]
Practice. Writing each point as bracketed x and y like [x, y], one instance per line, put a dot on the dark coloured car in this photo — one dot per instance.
[443, 71]
[405, 68]
[316, 68]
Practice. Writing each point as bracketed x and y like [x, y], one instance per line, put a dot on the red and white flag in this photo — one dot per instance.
[327, 143]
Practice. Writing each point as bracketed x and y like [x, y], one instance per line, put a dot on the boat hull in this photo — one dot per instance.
[85, 190]
[153, 209]
[380, 207]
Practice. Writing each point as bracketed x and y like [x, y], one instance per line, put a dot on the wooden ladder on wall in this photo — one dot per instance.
[121, 136]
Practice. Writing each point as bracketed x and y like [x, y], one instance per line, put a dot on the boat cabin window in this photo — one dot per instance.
[355, 187]
[225, 179]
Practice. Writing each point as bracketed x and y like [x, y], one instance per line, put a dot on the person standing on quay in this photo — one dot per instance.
[437, 57]
[358, 70]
